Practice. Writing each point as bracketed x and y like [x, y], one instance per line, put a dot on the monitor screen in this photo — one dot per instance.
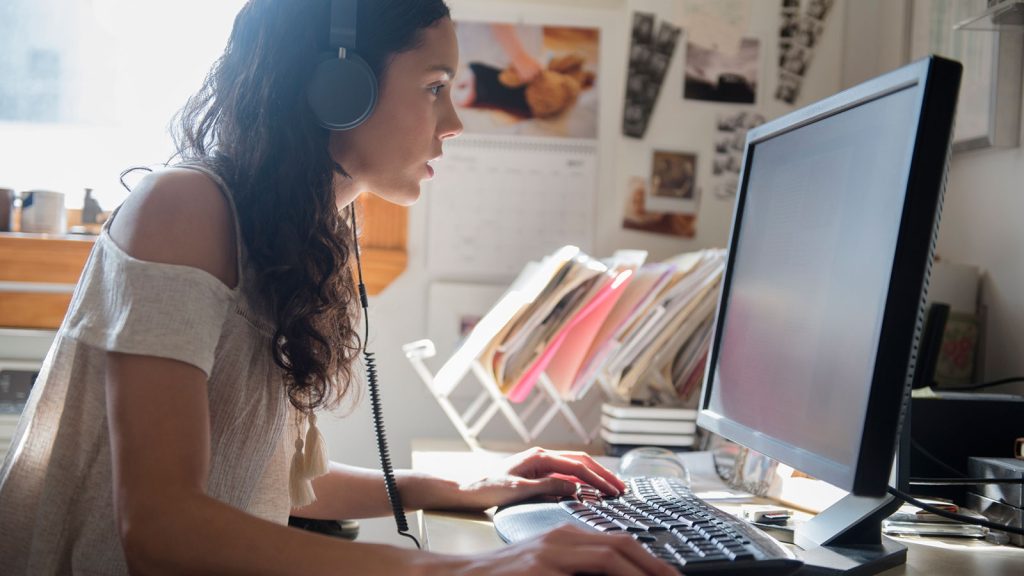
[829, 253]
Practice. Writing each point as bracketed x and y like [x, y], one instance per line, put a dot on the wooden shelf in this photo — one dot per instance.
[55, 262]
[49, 266]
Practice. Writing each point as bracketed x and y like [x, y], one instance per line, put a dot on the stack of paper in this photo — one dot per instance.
[640, 329]
[654, 346]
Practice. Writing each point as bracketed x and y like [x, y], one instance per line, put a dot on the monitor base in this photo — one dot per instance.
[852, 561]
[846, 538]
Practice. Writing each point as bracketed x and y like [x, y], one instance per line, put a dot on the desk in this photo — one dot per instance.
[455, 533]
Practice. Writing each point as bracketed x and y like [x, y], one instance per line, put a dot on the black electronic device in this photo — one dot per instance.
[823, 297]
[343, 89]
[947, 430]
[931, 344]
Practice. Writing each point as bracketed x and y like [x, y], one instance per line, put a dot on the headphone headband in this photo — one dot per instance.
[343, 90]
[343, 24]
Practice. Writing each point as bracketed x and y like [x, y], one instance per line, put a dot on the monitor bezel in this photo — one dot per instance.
[895, 356]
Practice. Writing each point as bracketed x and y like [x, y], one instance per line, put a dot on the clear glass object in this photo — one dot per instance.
[651, 461]
[741, 467]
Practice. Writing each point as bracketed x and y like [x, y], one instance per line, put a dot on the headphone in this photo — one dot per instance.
[343, 90]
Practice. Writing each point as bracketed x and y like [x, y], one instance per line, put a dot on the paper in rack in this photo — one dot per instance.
[669, 304]
[687, 368]
[680, 267]
[683, 325]
[530, 282]
[607, 294]
[545, 316]
[567, 364]
[576, 321]
[637, 362]
[644, 286]
[561, 264]
[683, 316]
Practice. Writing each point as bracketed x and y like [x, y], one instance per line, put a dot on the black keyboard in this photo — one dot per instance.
[667, 518]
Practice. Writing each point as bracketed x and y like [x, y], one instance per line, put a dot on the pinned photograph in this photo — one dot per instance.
[726, 189]
[795, 59]
[789, 24]
[730, 141]
[650, 54]
[788, 87]
[720, 77]
[798, 34]
[739, 121]
[638, 216]
[673, 183]
[820, 8]
[528, 80]
[808, 31]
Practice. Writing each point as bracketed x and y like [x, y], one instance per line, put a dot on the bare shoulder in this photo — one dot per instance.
[179, 216]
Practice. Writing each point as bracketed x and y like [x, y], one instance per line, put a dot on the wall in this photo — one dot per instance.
[398, 315]
[981, 225]
[984, 200]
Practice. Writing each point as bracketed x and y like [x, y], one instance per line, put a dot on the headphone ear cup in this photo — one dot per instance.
[342, 92]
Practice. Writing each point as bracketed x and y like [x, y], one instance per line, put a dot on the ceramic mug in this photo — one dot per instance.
[42, 211]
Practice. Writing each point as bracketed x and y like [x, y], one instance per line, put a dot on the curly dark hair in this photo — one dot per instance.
[250, 122]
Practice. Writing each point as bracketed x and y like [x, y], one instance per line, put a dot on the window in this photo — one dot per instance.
[88, 87]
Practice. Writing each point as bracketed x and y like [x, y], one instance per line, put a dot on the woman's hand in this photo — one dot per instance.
[567, 550]
[538, 472]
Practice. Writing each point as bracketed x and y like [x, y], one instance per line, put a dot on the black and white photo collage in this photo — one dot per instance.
[650, 53]
[798, 34]
[730, 138]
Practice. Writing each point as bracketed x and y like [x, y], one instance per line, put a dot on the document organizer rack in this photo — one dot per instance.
[528, 422]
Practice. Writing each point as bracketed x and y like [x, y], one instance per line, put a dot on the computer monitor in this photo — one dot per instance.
[823, 296]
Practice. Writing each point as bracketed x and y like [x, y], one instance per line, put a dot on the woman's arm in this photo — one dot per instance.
[351, 492]
[159, 427]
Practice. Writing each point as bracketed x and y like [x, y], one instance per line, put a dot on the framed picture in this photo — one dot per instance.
[989, 105]
[673, 182]
[958, 352]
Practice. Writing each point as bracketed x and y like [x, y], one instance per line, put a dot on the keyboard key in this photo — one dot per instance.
[607, 527]
[572, 506]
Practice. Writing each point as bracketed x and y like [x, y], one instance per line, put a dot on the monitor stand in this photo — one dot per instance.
[846, 538]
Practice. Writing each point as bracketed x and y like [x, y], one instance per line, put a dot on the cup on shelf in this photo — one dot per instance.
[42, 211]
[6, 209]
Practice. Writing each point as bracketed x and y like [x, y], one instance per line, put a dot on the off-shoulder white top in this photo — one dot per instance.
[56, 509]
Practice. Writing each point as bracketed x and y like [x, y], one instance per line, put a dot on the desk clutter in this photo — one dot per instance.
[638, 331]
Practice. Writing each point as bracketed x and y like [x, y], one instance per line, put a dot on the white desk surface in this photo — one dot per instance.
[457, 533]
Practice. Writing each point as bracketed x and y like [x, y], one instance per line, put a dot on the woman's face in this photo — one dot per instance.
[388, 154]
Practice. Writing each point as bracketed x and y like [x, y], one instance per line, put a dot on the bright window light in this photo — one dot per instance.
[89, 87]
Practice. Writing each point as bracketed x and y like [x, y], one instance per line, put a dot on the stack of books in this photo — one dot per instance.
[641, 330]
[625, 427]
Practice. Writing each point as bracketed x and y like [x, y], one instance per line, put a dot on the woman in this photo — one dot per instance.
[217, 312]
